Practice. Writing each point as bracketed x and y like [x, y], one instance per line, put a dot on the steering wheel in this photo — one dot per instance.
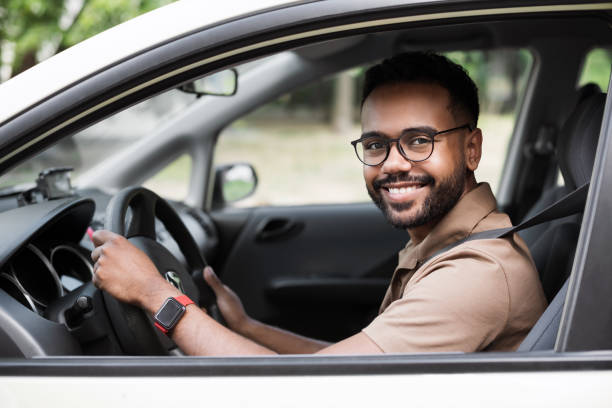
[135, 330]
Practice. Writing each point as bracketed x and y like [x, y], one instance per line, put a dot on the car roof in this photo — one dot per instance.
[116, 44]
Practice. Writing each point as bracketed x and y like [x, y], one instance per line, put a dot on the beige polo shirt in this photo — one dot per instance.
[483, 295]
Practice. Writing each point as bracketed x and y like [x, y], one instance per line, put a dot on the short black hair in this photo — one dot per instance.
[427, 67]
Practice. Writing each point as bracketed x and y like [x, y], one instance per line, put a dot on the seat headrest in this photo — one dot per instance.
[578, 138]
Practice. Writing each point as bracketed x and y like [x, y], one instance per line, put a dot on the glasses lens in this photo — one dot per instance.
[372, 150]
[416, 146]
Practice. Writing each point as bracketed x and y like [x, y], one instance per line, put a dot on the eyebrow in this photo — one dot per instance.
[375, 133]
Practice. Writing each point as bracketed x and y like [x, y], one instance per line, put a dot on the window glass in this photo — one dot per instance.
[172, 182]
[596, 68]
[501, 76]
[299, 144]
[95, 144]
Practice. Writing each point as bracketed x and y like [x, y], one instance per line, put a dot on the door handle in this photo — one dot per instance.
[277, 228]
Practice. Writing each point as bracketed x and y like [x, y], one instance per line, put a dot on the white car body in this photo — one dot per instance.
[562, 378]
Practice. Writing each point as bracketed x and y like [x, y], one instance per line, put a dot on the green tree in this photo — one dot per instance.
[31, 30]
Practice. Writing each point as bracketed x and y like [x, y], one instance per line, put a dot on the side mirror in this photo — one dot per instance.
[233, 182]
[222, 83]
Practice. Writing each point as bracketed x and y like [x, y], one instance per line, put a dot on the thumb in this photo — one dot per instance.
[212, 279]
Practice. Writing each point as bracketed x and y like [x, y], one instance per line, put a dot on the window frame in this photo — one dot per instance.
[61, 116]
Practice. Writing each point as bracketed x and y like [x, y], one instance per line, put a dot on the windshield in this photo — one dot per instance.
[88, 148]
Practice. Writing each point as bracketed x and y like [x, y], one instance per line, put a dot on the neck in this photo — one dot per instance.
[418, 234]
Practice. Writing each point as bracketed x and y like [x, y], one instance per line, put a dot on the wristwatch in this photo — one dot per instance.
[171, 312]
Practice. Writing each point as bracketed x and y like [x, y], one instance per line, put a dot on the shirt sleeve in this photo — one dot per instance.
[459, 302]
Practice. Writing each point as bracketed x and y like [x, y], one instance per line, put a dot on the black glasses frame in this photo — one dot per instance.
[388, 143]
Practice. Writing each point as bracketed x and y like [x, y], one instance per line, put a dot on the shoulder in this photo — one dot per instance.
[459, 301]
[467, 272]
[472, 261]
[505, 256]
[497, 271]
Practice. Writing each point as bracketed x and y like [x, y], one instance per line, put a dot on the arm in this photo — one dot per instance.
[128, 274]
[281, 341]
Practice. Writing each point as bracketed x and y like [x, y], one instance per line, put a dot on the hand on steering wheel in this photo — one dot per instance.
[229, 303]
[125, 271]
[134, 327]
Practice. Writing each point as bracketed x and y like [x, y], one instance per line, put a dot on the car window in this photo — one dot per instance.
[596, 68]
[95, 144]
[172, 182]
[299, 144]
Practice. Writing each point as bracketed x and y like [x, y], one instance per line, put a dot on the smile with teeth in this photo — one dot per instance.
[402, 190]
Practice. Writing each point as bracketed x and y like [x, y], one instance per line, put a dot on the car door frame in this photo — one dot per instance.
[397, 369]
[588, 308]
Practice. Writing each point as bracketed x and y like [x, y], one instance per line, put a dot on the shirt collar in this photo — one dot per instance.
[458, 223]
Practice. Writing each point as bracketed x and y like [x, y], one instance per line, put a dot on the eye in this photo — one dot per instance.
[418, 140]
[373, 144]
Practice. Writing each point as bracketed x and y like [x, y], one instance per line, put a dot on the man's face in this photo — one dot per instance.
[412, 194]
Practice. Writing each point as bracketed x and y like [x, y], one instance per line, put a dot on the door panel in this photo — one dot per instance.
[318, 270]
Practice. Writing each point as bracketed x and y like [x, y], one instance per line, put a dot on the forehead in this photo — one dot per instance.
[391, 108]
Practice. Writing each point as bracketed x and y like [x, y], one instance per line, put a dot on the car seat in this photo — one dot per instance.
[553, 246]
[564, 158]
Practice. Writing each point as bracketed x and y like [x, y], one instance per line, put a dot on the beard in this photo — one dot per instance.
[441, 199]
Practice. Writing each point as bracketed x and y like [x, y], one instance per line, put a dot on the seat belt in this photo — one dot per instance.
[570, 204]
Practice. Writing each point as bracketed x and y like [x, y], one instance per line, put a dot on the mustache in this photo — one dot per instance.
[402, 177]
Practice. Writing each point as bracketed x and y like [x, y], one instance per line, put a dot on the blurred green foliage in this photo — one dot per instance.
[29, 25]
[98, 15]
[596, 68]
[500, 74]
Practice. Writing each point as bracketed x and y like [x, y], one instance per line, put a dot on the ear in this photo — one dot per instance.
[473, 149]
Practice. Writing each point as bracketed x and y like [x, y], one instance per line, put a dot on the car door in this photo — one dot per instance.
[475, 379]
[319, 270]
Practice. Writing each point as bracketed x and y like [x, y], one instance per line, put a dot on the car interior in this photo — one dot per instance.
[318, 267]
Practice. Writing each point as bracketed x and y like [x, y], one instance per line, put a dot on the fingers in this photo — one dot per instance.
[212, 279]
[95, 257]
[102, 236]
[95, 278]
[100, 239]
[95, 254]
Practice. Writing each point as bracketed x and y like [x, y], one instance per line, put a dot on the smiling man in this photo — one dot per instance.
[419, 147]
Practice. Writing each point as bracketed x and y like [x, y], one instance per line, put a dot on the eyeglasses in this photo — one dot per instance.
[415, 145]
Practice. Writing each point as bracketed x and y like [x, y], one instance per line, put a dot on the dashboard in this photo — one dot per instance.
[48, 305]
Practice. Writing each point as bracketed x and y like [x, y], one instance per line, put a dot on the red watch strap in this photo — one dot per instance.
[160, 327]
[184, 300]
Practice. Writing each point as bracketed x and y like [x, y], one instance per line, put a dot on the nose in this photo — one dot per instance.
[396, 163]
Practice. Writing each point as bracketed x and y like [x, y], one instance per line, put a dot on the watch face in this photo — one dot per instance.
[169, 313]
